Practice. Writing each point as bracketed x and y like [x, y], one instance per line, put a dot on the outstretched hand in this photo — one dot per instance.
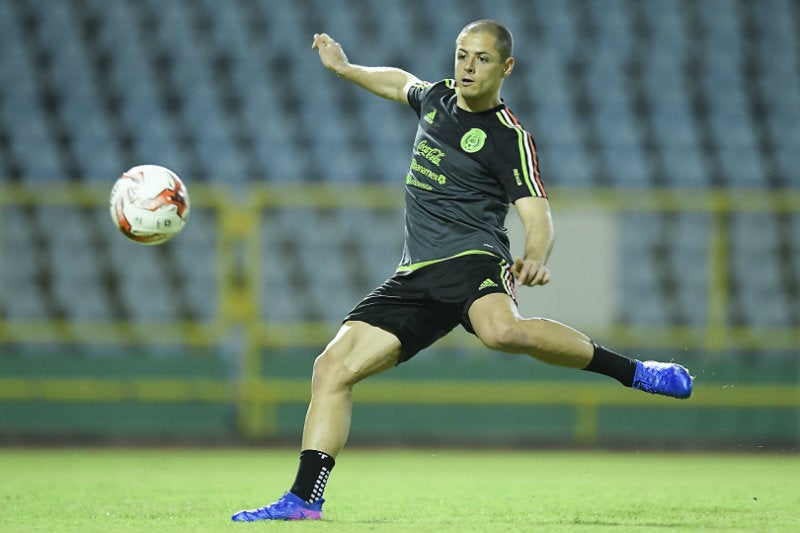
[330, 52]
[530, 272]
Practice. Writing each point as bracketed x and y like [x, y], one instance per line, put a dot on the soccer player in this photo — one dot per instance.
[471, 158]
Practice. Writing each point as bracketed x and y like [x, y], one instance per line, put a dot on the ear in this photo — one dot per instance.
[508, 66]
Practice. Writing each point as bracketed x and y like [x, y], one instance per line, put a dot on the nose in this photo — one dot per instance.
[469, 66]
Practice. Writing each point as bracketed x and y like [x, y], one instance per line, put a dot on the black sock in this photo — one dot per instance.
[312, 475]
[612, 364]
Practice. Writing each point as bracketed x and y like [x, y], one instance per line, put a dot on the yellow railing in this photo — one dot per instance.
[257, 398]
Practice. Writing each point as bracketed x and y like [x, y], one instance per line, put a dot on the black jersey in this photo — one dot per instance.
[466, 168]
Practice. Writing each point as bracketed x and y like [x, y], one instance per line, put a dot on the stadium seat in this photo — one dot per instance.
[564, 164]
[24, 302]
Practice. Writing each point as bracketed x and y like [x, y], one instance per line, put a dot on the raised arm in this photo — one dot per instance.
[386, 82]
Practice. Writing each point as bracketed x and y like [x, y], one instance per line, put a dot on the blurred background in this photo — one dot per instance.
[669, 140]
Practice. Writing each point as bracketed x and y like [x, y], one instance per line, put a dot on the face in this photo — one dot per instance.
[479, 71]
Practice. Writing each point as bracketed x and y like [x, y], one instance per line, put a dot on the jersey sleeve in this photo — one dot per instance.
[419, 92]
[416, 94]
[518, 163]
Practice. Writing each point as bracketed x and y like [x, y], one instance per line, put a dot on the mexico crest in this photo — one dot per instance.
[473, 140]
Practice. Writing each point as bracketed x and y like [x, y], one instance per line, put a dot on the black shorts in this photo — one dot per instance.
[423, 305]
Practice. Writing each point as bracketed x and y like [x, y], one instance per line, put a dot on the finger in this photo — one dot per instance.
[320, 40]
[516, 268]
[541, 277]
[527, 275]
[530, 279]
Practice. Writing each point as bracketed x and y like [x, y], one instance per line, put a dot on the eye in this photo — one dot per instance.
[483, 59]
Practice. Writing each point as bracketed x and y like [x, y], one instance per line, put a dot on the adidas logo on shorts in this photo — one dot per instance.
[486, 284]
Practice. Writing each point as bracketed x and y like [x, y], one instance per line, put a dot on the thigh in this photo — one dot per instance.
[491, 313]
[473, 278]
[402, 306]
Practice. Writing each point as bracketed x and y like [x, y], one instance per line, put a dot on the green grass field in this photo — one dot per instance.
[181, 490]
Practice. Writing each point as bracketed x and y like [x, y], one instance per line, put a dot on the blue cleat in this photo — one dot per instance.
[667, 379]
[287, 507]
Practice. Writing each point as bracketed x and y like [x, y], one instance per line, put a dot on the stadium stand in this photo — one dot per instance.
[627, 95]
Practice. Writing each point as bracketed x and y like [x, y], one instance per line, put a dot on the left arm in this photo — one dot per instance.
[386, 82]
[535, 215]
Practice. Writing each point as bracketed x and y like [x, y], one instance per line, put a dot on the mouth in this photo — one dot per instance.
[466, 82]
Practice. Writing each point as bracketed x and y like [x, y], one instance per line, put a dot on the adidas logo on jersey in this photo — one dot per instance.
[430, 116]
[486, 284]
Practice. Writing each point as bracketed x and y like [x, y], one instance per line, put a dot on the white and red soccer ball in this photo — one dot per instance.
[149, 204]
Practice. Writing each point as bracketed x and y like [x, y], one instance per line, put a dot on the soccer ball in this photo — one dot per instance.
[149, 204]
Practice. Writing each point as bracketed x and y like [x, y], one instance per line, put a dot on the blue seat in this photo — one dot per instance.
[765, 307]
[193, 254]
[694, 232]
[733, 127]
[685, 165]
[616, 124]
[754, 234]
[280, 303]
[82, 300]
[219, 158]
[674, 124]
[665, 85]
[564, 164]
[14, 65]
[22, 301]
[627, 165]
[742, 167]
[559, 34]
[784, 126]
[650, 310]
[38, 158]
[93, 142]
[556, 123]
[788, 158]
[547, 82]
[22, 271]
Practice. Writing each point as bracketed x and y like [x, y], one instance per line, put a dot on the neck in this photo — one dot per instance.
[476, 105]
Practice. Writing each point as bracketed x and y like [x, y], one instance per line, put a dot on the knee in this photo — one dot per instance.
[330, 370]
[504, 336]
